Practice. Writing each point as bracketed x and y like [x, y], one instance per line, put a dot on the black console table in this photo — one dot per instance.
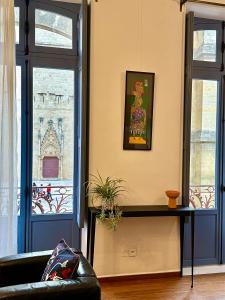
[147, 211]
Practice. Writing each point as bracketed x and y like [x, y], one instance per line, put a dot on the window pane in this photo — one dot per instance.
[18, 100]
[53, 30]
[203, 143]
[53, 140]
[204, 45]
[17, 24]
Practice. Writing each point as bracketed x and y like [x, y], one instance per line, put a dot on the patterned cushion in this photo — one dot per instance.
[62, 264]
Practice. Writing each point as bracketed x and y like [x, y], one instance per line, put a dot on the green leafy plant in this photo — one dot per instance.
[107, 191]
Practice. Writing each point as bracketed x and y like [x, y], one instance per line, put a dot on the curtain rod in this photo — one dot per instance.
[182, 2]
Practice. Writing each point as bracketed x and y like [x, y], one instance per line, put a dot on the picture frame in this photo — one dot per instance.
[139, 96]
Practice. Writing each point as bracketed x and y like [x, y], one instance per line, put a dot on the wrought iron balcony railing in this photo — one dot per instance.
[59, 199]
[50, 200]
[202, 196]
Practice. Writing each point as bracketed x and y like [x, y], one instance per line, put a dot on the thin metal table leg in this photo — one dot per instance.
[181, 244]
[88, 234]
[193, 247]
[92, 238]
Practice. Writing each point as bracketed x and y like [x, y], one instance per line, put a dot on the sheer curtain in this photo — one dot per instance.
[8, 130]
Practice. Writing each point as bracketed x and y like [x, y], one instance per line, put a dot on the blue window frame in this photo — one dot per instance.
[62, 50]
[203, 153]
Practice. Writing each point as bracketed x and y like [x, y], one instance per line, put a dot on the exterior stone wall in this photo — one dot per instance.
[53, 119]
[203, 132]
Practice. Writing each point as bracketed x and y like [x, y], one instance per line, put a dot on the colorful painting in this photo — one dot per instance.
[138, 110]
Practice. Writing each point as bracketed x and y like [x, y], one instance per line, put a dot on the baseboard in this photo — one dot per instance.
[203, 270]
[198, 270]
[117, 278]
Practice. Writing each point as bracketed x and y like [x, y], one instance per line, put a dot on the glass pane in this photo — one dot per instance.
[17, 24]
[204, 45]
[18, 100]
[203, 143]
[53, 30]
[53, 141]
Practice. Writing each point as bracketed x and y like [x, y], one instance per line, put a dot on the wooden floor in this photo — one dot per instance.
[205, 287]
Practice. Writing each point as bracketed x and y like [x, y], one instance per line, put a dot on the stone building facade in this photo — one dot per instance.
[53, 124]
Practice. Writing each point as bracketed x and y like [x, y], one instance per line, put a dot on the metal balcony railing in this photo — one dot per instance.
[202, 196]
[50, 200]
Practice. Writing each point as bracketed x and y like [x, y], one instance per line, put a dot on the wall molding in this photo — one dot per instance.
[124, 277]
[201, 270]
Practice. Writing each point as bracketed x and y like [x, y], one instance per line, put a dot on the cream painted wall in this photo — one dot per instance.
[142, 35]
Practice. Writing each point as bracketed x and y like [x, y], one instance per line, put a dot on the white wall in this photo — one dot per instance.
[141, 35]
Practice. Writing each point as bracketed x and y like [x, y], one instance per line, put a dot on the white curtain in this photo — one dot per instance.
[8, 131]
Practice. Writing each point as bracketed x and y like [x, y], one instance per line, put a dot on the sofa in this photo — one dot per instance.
[20, 277]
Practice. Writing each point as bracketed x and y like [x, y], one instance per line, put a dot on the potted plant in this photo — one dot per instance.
[107, 191]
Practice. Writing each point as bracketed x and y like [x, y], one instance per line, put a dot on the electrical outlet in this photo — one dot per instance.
[132, 252]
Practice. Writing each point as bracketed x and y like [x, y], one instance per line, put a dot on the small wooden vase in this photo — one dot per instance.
[172, 198]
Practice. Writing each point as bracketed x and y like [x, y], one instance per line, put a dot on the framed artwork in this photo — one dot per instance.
[138, 110]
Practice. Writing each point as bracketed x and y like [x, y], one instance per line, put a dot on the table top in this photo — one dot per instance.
[150, 210]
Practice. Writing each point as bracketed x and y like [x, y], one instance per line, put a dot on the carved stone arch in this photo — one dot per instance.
[50, 147]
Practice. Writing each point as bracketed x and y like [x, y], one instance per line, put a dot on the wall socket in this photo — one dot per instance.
[132, 252]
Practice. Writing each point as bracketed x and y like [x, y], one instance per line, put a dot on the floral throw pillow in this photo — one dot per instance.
[63, 263]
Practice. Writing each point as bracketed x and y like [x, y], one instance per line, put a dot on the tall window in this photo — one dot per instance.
[203, 112]
[47, 78]
[51, 73]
